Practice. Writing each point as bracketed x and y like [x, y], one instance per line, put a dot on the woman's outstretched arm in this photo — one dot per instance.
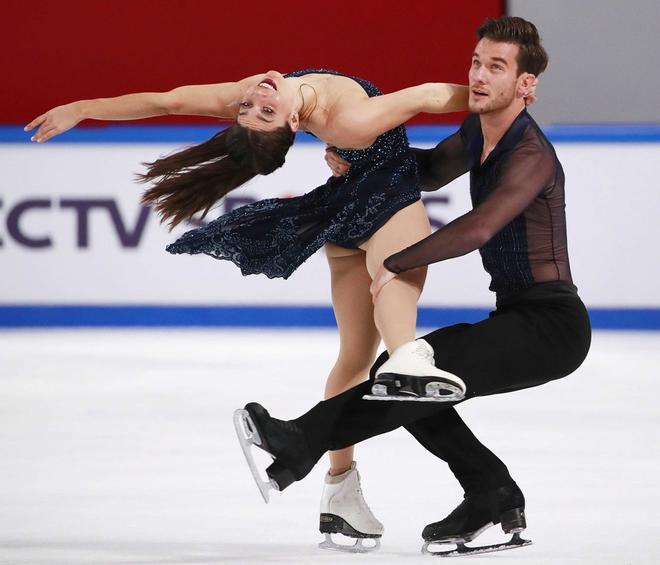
[218, 100]
[358, 123]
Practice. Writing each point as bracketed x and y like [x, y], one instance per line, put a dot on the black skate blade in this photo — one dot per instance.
[392, 386]
[248, 435]
[462, 550]
[410, 398]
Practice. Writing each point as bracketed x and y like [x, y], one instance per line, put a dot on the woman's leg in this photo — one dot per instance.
[358, 336]
[395, 309]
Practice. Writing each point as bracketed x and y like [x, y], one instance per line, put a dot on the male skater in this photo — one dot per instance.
[539, 332]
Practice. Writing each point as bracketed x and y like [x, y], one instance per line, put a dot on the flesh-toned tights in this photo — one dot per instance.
[363, 323]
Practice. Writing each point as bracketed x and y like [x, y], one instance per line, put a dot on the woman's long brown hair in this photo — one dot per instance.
[194, 179]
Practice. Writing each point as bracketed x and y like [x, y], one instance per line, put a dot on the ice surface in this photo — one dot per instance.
[117, 447]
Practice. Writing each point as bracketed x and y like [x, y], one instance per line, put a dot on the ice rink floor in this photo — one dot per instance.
[117, 447]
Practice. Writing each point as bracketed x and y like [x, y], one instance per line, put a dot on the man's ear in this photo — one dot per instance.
[294, 121]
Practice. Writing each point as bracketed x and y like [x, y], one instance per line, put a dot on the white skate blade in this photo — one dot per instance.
[461, 549]
[248, 436]
[357, 547]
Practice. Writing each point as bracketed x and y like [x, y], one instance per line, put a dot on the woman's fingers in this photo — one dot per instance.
[34, 123]
[40, 132]
[530, 95]
[44, 134]
[54, 122]
[44, 125]
[47, 130]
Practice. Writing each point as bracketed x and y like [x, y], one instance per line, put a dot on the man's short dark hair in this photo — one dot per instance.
[532, 57]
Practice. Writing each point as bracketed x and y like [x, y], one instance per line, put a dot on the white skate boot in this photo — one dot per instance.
[410, 374]
[344, 511]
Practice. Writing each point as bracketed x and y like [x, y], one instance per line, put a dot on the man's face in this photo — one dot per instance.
[493, 76]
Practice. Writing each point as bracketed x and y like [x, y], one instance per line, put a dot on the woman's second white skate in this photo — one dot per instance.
[344, 511]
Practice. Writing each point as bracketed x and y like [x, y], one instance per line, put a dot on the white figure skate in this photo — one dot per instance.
[344, 511]
[410, 374]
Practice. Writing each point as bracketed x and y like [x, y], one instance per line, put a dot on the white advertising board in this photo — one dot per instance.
[73, 231]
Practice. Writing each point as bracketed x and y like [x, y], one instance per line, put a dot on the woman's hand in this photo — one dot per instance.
[530, 93]
[383, 276]
[55, 121]
[338, 166]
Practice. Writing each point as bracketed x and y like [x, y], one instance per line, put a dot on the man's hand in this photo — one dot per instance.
[338, 166]
[383, 276]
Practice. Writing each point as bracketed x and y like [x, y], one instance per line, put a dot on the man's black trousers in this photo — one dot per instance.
[535, 336]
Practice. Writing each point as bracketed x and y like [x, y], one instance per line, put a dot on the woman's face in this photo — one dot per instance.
[269, 104]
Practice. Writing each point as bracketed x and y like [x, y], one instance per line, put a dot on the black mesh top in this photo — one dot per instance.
[518, 220]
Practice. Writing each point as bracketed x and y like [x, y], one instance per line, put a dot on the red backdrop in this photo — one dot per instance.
[58, 51]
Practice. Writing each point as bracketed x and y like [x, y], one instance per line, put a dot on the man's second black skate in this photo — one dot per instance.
[473, 516]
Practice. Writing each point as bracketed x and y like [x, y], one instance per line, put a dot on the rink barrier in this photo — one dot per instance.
[36, 316]
[559, 133]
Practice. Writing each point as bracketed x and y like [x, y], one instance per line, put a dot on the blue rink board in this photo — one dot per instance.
[35, 316]
[558, 133]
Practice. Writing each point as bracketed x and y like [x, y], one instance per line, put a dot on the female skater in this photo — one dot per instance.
[360, 218]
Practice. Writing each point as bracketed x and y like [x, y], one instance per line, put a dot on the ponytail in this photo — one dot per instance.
[194, 179]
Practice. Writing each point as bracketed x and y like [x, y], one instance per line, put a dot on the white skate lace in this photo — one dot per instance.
[364, 502]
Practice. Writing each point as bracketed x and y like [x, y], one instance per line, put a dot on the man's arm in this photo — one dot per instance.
[445, 162]
[528, 172]
[436, 167]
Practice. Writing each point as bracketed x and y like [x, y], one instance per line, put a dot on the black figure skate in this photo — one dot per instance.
[283, 440]
[473, 516]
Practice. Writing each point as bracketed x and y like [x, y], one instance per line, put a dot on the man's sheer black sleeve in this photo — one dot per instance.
[442, 164]
[527, 172]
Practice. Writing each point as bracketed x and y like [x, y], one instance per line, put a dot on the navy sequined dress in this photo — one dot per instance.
[275, 236]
